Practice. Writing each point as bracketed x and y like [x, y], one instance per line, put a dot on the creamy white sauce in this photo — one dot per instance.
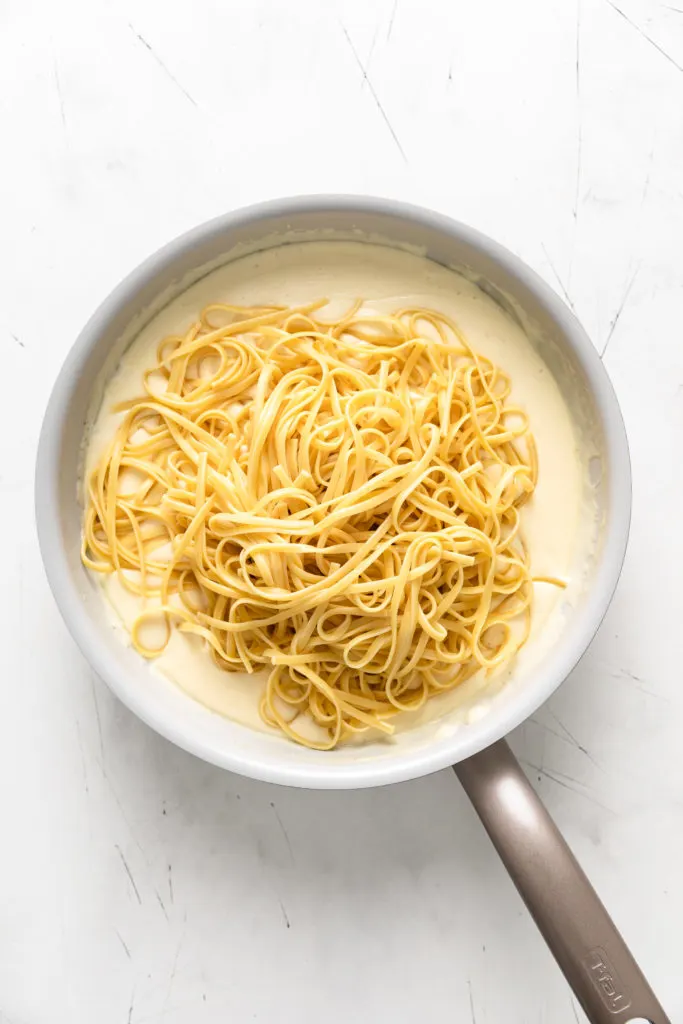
[386, 279]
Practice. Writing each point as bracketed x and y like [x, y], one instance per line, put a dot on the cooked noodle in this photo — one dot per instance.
[334, 501]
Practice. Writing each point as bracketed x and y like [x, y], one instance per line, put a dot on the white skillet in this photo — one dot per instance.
[593, 956]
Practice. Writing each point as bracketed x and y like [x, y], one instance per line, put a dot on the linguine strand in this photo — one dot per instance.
[334, 501]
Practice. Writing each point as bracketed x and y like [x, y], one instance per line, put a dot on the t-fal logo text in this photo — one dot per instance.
[605, 979]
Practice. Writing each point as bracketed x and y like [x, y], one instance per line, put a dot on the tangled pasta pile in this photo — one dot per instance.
[336, 502]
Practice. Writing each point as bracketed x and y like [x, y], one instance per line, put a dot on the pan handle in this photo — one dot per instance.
[580, 933]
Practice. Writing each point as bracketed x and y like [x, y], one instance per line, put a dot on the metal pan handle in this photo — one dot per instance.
[580, 933]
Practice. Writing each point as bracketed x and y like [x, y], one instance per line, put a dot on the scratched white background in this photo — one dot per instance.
[139, 885]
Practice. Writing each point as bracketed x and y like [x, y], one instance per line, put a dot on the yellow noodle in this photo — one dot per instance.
[338, 502]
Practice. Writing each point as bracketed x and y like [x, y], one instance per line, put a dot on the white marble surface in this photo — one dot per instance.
[139, 885]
